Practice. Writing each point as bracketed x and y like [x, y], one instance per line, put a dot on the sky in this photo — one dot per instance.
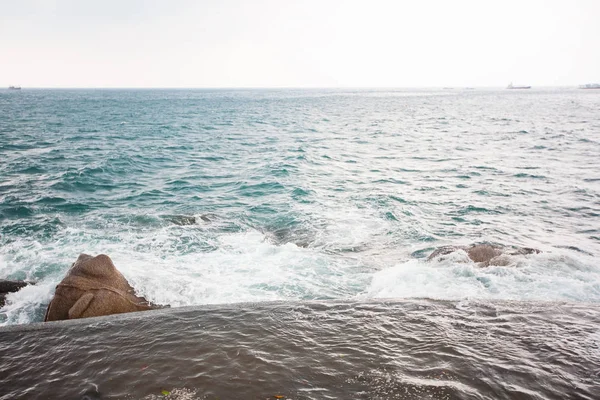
[308, 43]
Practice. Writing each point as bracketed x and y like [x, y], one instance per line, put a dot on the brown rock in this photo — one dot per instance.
[485, 254]
[94, 287]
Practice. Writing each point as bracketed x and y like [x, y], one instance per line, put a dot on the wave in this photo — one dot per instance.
[541, 277]
[186, 269]
[192, 266]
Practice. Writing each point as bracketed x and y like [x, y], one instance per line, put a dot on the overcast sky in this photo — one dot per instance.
[308, 43]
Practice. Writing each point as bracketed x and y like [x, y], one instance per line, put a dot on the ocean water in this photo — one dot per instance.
[316, 210]
[372, 350]
[224, 196]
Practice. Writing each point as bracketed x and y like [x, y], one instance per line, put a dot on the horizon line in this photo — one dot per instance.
[6, 87]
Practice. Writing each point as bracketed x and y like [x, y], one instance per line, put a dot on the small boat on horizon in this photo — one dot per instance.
[590, 86]
[14, 88]
[510, 86]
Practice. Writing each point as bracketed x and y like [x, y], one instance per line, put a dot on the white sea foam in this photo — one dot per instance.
[23, 306]
[545, 276]
[247, 266]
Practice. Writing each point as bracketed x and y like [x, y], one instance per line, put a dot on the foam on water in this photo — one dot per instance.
[545, 277]
[244, 267]
[247, 267]
[27, 305]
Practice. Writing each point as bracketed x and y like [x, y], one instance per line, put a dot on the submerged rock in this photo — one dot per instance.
[298, 236]
[7, 286]
[485, 254]
[184, 220]
[94, 287]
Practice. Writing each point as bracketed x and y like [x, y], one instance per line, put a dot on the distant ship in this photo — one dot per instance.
[510, 86]
[590, 86]
[14, 88]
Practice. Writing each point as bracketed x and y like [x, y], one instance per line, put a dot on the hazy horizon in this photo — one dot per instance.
[268, 44]
[284, 87]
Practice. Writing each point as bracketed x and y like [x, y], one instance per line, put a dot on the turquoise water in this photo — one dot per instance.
[223, 196]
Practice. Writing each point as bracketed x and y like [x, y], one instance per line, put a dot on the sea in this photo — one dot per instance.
[289, 232]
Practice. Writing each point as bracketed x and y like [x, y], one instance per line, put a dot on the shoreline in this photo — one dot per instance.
[285, 304]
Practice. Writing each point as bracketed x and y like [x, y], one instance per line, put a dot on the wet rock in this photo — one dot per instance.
[299, 236]
[182, 220]
[485, 254]
[574, 248]
[93, 287]
[8, 286]
[443, 251]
